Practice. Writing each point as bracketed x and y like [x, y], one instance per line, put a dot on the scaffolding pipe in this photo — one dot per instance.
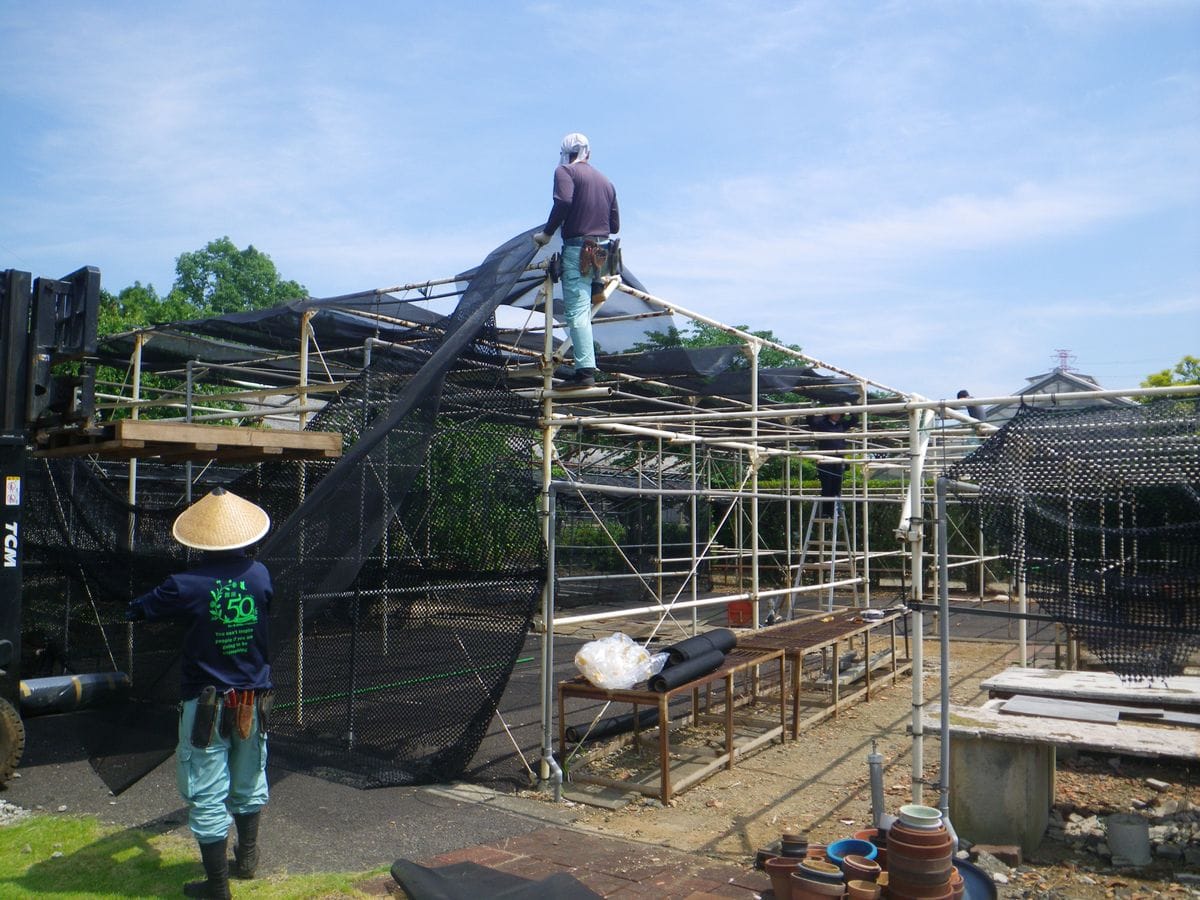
[911, 527]
[547, 765]
[754, 460]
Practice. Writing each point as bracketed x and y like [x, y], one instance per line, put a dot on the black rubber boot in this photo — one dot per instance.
[583, 378]
[245, 851]
[216, 867]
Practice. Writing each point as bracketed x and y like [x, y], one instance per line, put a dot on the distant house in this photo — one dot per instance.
[1058, 381]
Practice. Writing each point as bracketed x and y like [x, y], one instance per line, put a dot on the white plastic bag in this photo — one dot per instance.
[617, 662]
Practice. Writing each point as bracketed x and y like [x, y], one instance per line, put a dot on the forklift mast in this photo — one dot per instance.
[47, 380]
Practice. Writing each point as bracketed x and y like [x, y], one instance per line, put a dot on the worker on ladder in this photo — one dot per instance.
[831, 427]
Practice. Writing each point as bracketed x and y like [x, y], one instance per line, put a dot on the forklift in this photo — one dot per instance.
[47, 382]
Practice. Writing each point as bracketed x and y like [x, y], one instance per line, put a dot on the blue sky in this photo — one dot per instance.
[933, 194]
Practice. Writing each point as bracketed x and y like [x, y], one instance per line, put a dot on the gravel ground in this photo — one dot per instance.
[820, 784]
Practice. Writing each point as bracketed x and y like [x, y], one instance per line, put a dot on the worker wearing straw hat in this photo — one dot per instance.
[221, 755]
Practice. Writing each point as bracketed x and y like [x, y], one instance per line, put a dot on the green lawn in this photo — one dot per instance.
[47, 856]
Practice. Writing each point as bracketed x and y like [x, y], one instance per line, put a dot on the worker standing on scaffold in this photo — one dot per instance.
[221, 754]
[585, 205]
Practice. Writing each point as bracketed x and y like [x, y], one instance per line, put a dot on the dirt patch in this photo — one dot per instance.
[820, 784]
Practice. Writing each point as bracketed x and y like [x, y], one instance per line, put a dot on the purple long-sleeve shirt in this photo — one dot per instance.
[585, 202]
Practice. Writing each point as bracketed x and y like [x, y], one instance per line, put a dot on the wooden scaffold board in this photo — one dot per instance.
[184, 441]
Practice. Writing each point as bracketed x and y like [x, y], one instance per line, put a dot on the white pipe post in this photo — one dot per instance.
[546, 500]
[915, 538]
[752, 350]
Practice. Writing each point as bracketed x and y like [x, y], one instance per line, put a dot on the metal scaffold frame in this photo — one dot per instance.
[679, 439]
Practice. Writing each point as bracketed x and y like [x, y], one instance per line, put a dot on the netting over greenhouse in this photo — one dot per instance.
[1100, 508]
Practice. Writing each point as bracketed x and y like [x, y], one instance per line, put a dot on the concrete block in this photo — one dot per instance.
[1009, 854]
[1001, 791]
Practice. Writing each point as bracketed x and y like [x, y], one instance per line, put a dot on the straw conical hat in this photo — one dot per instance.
[221, 521]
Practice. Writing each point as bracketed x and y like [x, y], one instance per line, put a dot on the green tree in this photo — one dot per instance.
[213, 281]
[701, 334]
[1186, 371]
[222, 279]
[136, 307]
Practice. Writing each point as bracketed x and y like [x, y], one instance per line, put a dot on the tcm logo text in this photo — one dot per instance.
[10, 545]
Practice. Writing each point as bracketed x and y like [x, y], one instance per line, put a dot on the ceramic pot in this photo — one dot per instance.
[924, 836]
[916, 814]
[804, 888]
[862, 890]
[820, 870]
[793, 845]
[815, 851]
[839, 850]
[957, 886]
[780, 868]
[860, 868]
[920, 893]
[906, 888]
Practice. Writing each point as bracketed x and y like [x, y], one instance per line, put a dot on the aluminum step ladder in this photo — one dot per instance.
[835, 559]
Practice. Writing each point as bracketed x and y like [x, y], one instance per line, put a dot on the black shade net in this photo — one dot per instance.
[1101, 509]
[406, 573]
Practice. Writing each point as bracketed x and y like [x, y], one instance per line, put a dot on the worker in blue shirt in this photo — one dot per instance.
[221, 755]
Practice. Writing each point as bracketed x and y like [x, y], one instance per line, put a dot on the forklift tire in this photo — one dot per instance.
[12, 740]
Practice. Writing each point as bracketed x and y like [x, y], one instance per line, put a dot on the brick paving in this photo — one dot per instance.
[609, 866]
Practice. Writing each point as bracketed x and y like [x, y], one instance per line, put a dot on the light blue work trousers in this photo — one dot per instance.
[227, 776]
[577, 305]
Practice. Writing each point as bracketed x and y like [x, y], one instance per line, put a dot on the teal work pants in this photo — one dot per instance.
[227, 776]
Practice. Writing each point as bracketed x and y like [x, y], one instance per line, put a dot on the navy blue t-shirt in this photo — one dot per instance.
[227, 597]
[585, 202]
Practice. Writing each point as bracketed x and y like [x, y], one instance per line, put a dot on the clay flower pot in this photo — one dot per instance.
[807, 888]
[815, 851]
[793, 843]
[839, 850]
[862, 890]
[780, 868]
[928, 836]
[820, 870]
[859, 868]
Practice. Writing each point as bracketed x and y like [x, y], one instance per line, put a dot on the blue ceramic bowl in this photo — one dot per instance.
[839, 850]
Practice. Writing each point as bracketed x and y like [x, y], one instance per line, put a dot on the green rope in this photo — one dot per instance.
[395, 684]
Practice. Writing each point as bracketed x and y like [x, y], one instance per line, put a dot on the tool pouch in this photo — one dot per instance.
[265, 700]
[593, 257]
[206, 714]
[245, 713]
[225, 723]
[614, 257]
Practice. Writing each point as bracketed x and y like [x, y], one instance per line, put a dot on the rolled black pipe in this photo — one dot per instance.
[612, 726]
[681, 673]
[721, 639]
[66, 693]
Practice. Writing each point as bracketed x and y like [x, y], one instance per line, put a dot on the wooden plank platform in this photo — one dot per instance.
[987, 722]
[1181, 692]
[185, 441]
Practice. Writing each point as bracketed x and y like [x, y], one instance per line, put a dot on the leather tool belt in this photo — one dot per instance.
[593, 257]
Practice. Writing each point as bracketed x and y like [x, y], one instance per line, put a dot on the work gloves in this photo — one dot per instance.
[541, 238]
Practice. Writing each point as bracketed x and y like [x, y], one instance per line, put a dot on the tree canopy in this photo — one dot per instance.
[701, 334]
[1186, 371]
[213, 281]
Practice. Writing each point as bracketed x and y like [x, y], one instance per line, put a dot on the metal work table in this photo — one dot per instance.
[823, 633]
[737, 662]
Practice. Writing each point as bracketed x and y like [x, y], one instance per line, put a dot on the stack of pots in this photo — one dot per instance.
[920, 857]
[817, 879]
